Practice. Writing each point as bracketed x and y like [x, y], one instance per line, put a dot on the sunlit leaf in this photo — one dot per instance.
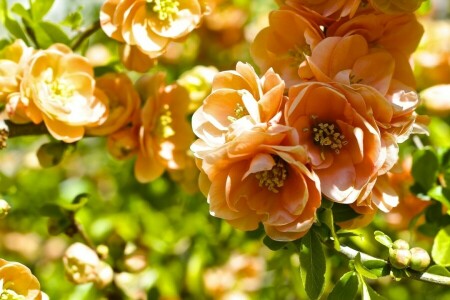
[441, 247]
[383, 239]
[361, 269]
[40, 8]
[425, 168]
[346, 288]
[312, 265]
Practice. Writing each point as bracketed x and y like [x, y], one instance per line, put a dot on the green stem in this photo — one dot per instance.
[351, 253]
[84, 35]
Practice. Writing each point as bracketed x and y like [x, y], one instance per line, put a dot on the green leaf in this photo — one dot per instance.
[439, 270]
[346, 288]
[361, 269]
[440, 194]
[369, 294]
[74, 19]
[425, 168]
[14, 27]
[273, 245]
[343, 212]
[345, 233]
[312, 265]
[55, 33]
[51, 154]
[441, 247]
[51, 210]
[21, 11]
[79, 202]
[326, 217]
[378, 267]
[383, 239]
[40, 8]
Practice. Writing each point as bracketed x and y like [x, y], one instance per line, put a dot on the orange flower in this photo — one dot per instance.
[123, 101]
[396, 6]
[124, 143]
[16, 280]
[285, 44]
[165, 134]
[398, 34]
[239, 100]
[134, 59]
[331, 60]
[13, 59]
[339, 126]
[58, 87]
[258, 177]
[149, 24]
[330, 9]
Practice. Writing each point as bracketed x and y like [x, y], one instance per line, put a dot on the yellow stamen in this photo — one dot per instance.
[328, 135]
[274, 178]
[239, 112]
[164, 126]
[299, 53]
[166, 9]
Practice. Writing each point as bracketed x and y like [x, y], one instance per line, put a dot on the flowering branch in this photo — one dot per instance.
[84, 35]
[15, 130]
[351, 253]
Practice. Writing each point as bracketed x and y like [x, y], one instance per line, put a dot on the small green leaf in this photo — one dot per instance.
[273, 245]
[21, 11]
[439, 270]
[312, 265]
[79, 202]
[361, 269]
[383, 239]
[377, 267]
[14, 27]
[441, 247]
[345, 233]
[369, 294]
[440, 194]
[425, 168]
[346, 288]
[74, 19]
[51, 154]
[326, 217]
[55, 33]
[343, 212]
[40, 8]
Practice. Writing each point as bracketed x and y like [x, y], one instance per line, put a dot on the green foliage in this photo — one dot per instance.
[346, 288]
[313, 265]
[441, 247]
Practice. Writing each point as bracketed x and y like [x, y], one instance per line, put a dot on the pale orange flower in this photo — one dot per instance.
[134, 59]
[329, 9]
[257, 177]
[13, 59]
[396, 6]
[397, 34]
[149, 24]
[238, 101]
[285, 44]
[340, 128]
[17, 280]
[124, 143]
[332, 60]
[123, 102]
[165, 133]
[58, 88]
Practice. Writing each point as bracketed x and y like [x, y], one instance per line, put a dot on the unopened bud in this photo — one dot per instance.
[420, 259]
[105, 275]
[4, 208]
[399, 258]
[400, 244]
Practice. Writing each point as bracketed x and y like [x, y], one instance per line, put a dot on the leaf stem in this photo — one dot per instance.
[84, 35]
[351, 253]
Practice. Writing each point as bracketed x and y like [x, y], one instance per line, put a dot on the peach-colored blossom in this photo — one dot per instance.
[58, 88]
[13, 59]
[17, 280]
[239, 100]
[258, 178]
[285, 44]
[134, 59]
[351, 60]
[164, 134]
[396, 6]
[123, 102]
[340, 128]
[329, 9]
[149, 24]
[398, 34]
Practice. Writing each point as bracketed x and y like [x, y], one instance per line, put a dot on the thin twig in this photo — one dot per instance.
[84, 35]
[16, 130]
[351, 253]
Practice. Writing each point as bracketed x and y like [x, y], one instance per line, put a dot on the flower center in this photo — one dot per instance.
[166, 9]
[8, 294]
[164, 125]
[327, 135]
[274, 178]
[239, 112]
[299, 53]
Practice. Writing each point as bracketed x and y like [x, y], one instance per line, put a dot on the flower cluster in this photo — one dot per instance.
[325, 120]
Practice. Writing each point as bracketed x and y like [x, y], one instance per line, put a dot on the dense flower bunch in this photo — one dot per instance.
[325, 120]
